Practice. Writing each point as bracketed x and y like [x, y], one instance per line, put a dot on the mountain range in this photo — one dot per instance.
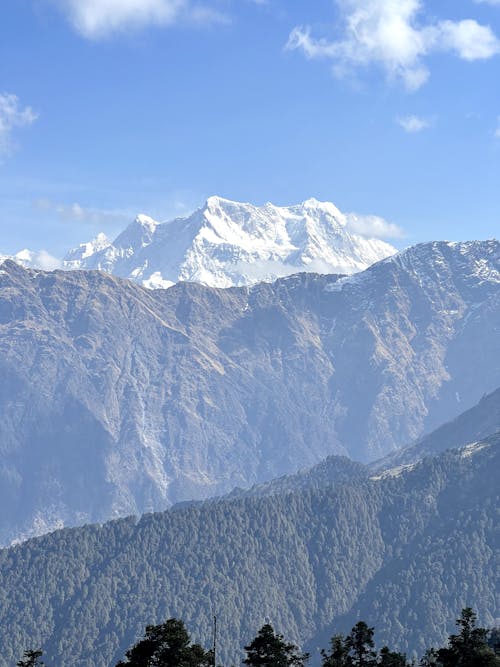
[227, 243]
[117, 400]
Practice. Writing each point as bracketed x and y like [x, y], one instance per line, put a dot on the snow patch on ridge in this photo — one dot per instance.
[472, 448]
[397, 471]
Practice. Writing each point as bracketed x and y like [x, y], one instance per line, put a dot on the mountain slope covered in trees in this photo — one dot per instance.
[403, 552]
[117, 400]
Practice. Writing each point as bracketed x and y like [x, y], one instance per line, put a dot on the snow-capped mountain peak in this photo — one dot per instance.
[85, 251]
[138, 234]
[226, 243]
[313, 204]
[147, 222]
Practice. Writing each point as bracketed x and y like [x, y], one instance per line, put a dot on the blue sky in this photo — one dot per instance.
[109, 108]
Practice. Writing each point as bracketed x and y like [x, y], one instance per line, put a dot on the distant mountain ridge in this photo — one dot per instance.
[117, 400]
[471, 426]
[227, 243]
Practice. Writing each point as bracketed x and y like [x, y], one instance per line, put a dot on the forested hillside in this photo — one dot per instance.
[402, 552]
[333, 470]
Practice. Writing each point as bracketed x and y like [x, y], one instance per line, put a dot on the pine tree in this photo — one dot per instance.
[361, 646]
[429, 659]
[31, 659]
[338, 655]
[269, 649]
[167, 645]
[468, 648]
[388, 658]
[494, 640]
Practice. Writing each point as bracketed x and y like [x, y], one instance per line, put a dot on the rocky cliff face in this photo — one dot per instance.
[115, 399]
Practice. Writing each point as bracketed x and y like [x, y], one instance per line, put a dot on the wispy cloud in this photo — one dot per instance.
[12, 116]
[373, 226]
[40, 259]
[390, 34]
[45, 261]
[497, 131]
[413, 124]
[96, 19]
[77, 213]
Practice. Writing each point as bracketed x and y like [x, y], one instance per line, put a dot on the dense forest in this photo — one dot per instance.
[169, 645]
[403, 552]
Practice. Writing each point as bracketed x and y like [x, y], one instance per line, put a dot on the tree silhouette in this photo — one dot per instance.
[361, 646]
[388, 658]
[269, 649]
[338, 656]
[468, 648]
[167, 645]
[31, 659]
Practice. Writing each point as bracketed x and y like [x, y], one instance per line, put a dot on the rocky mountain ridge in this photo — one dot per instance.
[117, 400]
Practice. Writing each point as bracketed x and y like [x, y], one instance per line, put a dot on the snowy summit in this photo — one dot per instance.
[227, 243]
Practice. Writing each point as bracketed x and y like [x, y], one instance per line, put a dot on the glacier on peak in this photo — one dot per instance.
[86, 250]
[226, 243]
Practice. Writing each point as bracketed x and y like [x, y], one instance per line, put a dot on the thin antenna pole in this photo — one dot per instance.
[215, 639]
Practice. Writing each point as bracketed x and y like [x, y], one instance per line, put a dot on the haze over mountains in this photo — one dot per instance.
[471, 426]
[116, 399]
[228, 243]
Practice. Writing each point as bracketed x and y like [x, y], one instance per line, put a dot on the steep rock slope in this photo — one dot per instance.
[117, 400]
[228, 243]
[314, 562]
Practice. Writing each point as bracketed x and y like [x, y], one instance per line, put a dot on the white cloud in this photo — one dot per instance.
[40, 259]
[373, 226]
[413, 124]
[11, 117]
[389, 34]
[77, 213]
[469, 39]
[96, 19]
[45, 261]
